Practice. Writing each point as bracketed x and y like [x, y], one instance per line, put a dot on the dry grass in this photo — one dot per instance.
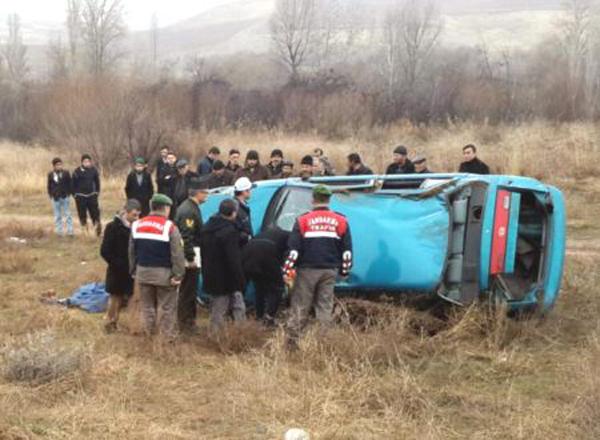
[385, 371]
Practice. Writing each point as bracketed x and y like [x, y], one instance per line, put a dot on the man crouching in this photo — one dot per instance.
[157, 262]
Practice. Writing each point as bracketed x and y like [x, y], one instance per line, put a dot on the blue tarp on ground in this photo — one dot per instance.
[91, 297]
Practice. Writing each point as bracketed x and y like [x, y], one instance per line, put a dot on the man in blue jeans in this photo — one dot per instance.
[59, 191]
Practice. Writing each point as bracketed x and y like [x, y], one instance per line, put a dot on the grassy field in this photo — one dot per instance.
[401, 373]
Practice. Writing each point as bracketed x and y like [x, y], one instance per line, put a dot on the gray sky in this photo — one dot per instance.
[138, 12]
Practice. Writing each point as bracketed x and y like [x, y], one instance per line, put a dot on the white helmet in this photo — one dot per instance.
[242, 184]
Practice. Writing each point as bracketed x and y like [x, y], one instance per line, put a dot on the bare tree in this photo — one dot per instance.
[74, 30]
[103, 26]
[58, 59]
[575, 27]
[411, 31]
[154, 41]
[14, 51]
[292, 26]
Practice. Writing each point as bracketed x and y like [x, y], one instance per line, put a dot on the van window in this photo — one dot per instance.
[287, 207]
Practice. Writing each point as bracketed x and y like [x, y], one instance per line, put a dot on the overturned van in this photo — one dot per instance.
[461, 237]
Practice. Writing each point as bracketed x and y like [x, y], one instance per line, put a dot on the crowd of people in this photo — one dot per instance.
[161, 240]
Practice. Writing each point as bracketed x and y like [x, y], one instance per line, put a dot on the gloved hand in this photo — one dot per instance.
[290, 264]
[346, 264]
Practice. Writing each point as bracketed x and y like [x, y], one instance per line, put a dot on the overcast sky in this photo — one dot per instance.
[138, 12]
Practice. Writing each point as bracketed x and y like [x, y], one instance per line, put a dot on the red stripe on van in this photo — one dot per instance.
[500, 236]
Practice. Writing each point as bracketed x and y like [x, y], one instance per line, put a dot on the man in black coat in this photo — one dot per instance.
[401, 164]
[139, 185]
[114, 250]
[166, 171]
[263, 259]
[222, 271]
[181, 184]
[59, 191]
[220, 176]
[356, 166]
[472, 164]
[86, 190]
[189, 222]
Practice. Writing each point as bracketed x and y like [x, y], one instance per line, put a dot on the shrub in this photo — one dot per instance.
[41, 358]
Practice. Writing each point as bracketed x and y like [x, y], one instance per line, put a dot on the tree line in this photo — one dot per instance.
[330, 71]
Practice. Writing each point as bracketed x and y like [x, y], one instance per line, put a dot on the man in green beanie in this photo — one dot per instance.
[157, 263]
[139, 185]
[320, 249]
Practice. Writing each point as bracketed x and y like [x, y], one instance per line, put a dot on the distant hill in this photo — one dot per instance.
[242, 26]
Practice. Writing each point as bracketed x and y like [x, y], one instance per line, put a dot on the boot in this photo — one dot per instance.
[98, 229]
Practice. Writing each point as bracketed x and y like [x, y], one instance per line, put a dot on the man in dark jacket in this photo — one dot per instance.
[233, 164]
[287, 169]
[320, 247]
[472, 164]
[165, 174]
[181, 184]
[189, 222]
[275, 164]
[139, 185]
[253, 170]
[356, 167]
[220, 176]
[306, 167]
[263, 259]
[242, 193]
[161, 165]
[205, 166]
[86, 190]
[222, 271]
[401, 164]
[115, 251]
[59, 191]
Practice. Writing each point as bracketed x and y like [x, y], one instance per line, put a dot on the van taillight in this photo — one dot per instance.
[499, 239]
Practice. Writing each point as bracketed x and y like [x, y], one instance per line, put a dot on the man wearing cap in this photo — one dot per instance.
[253, 170]
[181, 184]
[242, 193]
[306, 167]
[420, 163]
[275, 164]
[59, 191]
[222, 271]
[86, 190]
[320, 248]
[205, 166]
[139, 185]
[401, 163]
[220, 176]
[157, 262]
[189, 222]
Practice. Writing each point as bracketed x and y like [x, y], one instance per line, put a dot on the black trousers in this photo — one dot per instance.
[186, 305]
[269, 290]
[87, 205]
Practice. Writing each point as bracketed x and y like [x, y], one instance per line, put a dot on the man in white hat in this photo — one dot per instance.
[242, 192]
